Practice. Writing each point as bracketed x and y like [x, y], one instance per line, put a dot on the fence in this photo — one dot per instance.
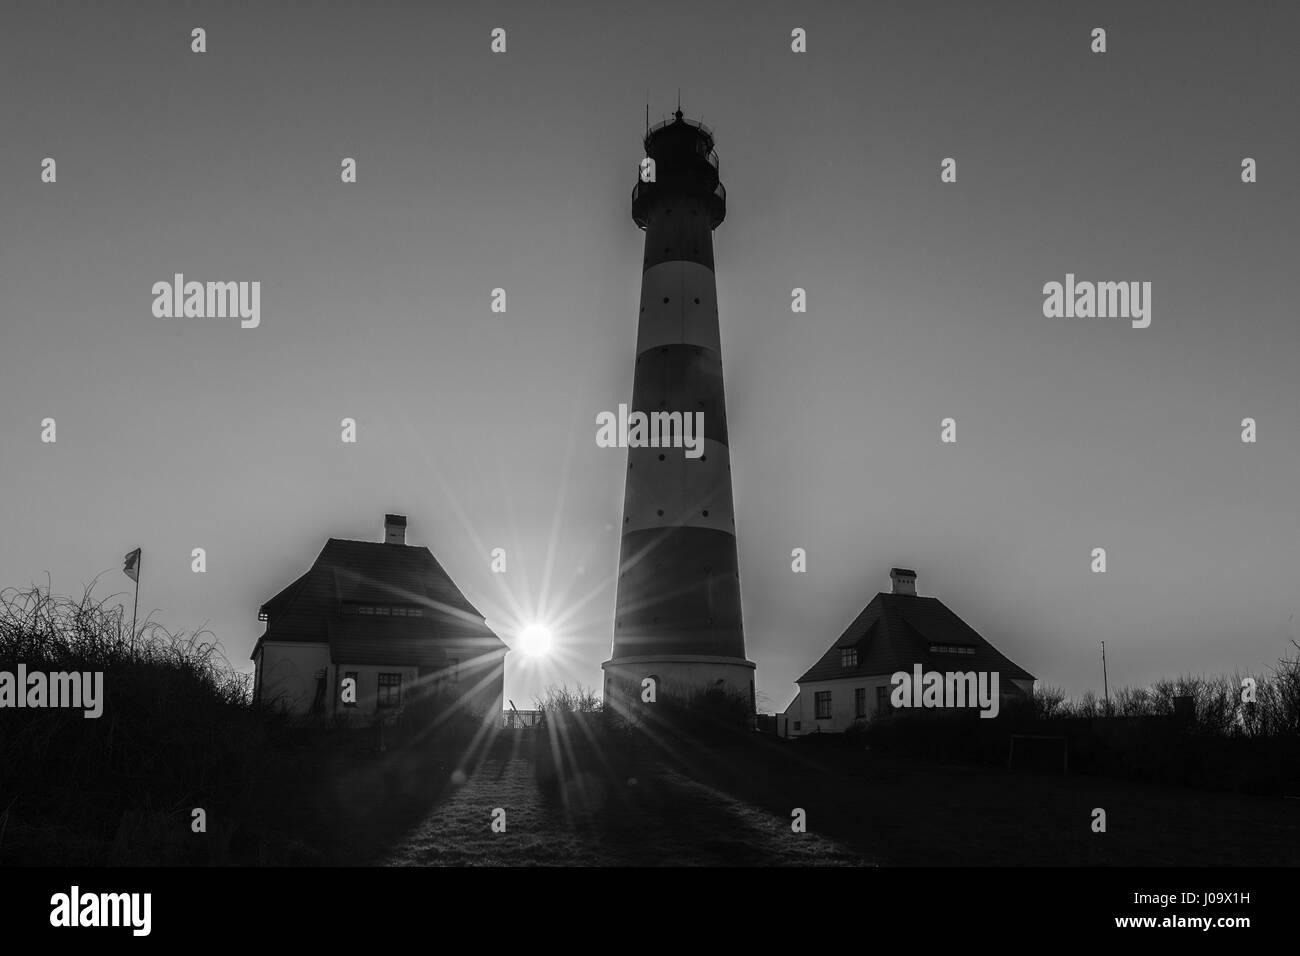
[520, 719]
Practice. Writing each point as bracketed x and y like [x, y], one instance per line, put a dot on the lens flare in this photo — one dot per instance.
[535, 640]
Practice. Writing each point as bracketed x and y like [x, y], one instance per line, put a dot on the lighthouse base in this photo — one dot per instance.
[680, 679]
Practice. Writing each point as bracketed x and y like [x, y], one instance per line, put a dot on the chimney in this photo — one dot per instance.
[394, 529]
[903, 580]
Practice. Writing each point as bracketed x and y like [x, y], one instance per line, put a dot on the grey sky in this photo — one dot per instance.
[515, 170]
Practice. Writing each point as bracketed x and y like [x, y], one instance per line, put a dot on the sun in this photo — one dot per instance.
[535, 640]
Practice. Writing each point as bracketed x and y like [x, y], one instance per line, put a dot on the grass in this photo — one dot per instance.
[903, 811]
[587, 787]
[662, 819]
[178, 732]
[733, 808]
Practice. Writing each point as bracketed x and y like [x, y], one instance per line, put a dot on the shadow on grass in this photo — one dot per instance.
[913, 811]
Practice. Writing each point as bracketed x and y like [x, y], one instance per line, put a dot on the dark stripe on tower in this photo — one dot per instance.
[678, 228]
[678, 593]
[682, 378]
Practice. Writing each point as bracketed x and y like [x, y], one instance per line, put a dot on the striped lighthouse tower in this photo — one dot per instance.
[677, 618]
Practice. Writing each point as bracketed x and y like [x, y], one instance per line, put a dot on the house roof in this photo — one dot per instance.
[369, 572]
[895, 632]
[398, 642]
[278, 603]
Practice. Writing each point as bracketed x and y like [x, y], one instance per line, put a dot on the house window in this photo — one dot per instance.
[848, 657]
[798, 725]
[355, 689]
[390, 610]
[882, 701]
[822, 700]
[951, 649]
[859, 702]
[390, 691]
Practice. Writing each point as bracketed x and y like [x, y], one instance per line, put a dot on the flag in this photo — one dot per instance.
[132, 565]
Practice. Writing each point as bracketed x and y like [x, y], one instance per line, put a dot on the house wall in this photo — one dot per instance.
[367, 705]
[482, 683]
[479, 689]
[803, 708]
[257, 674]
[786, 719]
[286, 674]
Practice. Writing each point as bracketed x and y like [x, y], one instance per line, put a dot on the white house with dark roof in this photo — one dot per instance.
[387, 615]
[851, 682]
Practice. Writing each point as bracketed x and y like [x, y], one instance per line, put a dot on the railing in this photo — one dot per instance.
[719, 206]
[520, 719]
[704, 147]
[689, 122]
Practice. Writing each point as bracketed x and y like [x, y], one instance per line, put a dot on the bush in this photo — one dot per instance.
[174, 732]
[1225, 744]
[178, 732]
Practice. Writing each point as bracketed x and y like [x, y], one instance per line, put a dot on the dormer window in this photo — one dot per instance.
[387, 610]
[848, 657]
[952, 649]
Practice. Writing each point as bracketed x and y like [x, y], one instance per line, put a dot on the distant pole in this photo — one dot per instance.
[1105, 686]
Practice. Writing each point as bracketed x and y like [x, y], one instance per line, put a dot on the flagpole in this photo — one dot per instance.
[136, 606]
[1104, 683]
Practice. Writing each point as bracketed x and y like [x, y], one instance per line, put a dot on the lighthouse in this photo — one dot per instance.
[677, 615]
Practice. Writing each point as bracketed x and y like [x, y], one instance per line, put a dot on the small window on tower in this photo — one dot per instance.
[848, 657]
